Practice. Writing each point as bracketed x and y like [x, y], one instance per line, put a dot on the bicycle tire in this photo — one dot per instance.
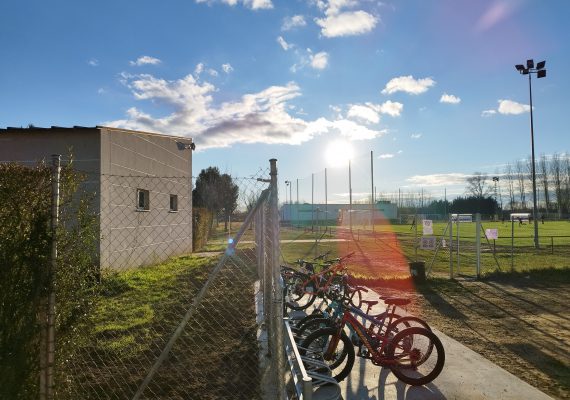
[404, 348]
[358, 295]
[313, 325]
[409, 322]
[318, 341]
[297, 290]
[308, 318]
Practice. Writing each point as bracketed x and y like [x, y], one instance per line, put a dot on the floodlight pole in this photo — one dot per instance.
[540, 72]
[534, 207]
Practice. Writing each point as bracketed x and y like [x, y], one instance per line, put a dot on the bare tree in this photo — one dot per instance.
[520, 173]
[509, 174]
[477, 185]
[543, 179]
[557, 180]
[566, 190]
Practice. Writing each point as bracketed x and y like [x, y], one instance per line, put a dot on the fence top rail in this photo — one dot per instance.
[291, 341]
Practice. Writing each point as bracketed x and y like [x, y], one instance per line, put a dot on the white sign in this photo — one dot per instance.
[492, 233]
[428, 227]
[428, 243]
[462, 217]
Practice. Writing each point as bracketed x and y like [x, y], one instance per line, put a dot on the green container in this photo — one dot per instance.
[418, 271]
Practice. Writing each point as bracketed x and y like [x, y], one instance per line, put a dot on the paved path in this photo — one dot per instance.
[466, 376]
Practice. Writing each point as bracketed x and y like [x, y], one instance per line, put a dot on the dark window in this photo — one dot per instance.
[143, 200]
[173, 202]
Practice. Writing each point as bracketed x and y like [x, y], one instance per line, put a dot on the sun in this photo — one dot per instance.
[338, 153]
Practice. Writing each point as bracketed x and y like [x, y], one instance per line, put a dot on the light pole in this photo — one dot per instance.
[540, 73]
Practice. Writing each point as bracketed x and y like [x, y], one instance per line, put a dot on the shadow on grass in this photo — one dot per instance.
[432, 289]
[552, 367]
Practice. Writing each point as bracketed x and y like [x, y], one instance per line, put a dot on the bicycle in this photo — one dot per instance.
[409, 353]
[302, 289]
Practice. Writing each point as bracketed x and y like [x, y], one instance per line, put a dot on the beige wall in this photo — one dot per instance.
[131, 161]
[118, 162]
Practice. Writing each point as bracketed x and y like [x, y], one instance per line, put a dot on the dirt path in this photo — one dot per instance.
[522, 325]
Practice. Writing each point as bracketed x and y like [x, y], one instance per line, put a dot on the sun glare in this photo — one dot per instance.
[338, 153]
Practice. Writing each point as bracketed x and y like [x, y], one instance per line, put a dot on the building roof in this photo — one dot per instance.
[32, 128]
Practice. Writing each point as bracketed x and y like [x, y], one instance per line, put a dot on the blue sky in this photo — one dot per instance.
[429, 86]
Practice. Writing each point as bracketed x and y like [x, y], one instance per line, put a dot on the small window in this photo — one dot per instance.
[143, 200]
[173, 202]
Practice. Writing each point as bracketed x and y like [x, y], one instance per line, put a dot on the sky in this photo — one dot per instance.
[429, 87]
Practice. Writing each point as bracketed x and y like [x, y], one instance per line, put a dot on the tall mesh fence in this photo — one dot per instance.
[168, 325]
[137, 314]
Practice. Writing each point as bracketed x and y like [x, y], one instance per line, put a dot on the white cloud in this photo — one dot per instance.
[449, 98]
[408, 84]
[370, 112]
[227, 68]
[496, 13]
[295, 21]
[201, 68]
[363, 113]
[416, 135]
[93, 62]
[386, 156]
[438, 179]
[253, 4]
[320, 60]
[392, 108]
[348, 23]
[145, 60]
[284, 45]
[101, 91]
[261, 117]
[509, 107]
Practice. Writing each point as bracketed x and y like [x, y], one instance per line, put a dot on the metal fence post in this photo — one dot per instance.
[47, 336]
[478, 243]
[277, 308]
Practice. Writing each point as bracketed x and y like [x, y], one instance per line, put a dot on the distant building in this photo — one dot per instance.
[304, 214]
[141, 181]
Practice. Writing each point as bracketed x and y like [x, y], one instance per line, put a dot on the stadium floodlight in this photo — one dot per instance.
[540, 73]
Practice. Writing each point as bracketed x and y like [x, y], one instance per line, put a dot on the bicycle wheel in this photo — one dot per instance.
[300, 294]
[408, 349]
[305, 320]
[313, 325]
[342, 358]
[401, 323]
[409, 322]
[356, 298]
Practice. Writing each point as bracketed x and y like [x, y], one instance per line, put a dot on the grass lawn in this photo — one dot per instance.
[136, 315]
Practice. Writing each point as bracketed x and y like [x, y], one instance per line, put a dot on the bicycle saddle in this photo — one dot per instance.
[370, 302]
[397, 301]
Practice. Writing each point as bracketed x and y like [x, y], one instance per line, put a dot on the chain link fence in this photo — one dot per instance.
[142, 317]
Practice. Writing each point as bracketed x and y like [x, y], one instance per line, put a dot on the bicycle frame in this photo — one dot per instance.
[366, 336]
[317, 278]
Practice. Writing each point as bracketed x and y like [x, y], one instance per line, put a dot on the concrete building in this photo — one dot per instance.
[303, 214]
[141, 183]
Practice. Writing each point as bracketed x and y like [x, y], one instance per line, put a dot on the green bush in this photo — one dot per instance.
[25, 252]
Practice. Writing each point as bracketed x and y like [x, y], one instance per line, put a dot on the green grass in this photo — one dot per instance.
[132, 300]
[554, 249]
